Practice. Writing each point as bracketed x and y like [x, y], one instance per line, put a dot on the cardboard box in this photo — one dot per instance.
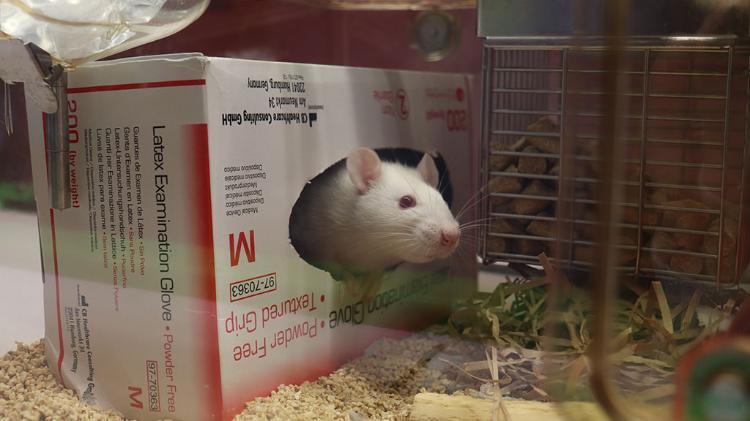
[171, 288]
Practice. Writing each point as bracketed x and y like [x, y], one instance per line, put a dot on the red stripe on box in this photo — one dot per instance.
[61, 345]
[201, 182]
[57, 296]
[130, 86]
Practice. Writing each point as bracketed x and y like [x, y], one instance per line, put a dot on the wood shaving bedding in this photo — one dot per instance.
[380, 385]
[29, 392]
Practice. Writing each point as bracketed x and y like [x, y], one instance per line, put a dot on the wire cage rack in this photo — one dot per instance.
[682, 174]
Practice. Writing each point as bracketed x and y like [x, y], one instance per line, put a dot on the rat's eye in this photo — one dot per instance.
[407, 202]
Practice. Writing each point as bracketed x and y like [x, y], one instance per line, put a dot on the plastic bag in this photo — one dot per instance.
[75, 31]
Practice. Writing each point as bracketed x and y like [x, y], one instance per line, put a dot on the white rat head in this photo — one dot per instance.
[404, 214]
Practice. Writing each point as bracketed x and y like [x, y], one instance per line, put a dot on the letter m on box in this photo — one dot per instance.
[245, 243]
[134, 393]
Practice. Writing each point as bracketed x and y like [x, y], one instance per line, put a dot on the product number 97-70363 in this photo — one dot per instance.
[247, 288]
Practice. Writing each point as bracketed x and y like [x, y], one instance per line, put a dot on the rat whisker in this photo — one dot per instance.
[469, 201]
[474, 225]
[442, 178]
[467, 240]
[487, 219]
[470, 210]
[479, 223]
[469, 234]
[473, 230]
[473, 200]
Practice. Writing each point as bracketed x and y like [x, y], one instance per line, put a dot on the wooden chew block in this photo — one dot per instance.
[441, 407]
[532, 164]
[532, 206]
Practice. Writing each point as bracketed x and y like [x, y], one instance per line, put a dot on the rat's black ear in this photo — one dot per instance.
[428, 170]
[363, 166]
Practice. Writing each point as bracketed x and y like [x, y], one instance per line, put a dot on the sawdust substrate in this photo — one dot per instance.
[29, 392]
[380, 385]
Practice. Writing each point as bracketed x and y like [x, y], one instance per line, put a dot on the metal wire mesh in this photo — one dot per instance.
[685, 147]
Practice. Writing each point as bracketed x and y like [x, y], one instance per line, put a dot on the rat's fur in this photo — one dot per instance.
[344, 231]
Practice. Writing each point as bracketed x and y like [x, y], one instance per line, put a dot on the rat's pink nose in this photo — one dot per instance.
[448, 237]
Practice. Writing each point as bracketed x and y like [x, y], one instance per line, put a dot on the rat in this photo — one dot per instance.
[364, 216]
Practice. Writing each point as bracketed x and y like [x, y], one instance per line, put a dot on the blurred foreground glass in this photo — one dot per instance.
[616, 156]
